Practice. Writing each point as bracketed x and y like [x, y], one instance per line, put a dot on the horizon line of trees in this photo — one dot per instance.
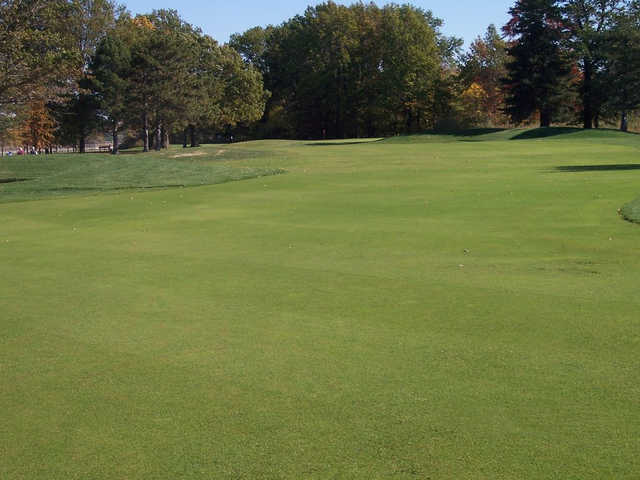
[70, 68]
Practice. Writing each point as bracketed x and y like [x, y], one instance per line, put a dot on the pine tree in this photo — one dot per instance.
[109, 81]
[538, 72]
[621, 66]
[589, 22]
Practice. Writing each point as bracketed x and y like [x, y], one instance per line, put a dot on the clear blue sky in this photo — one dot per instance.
[221, 18]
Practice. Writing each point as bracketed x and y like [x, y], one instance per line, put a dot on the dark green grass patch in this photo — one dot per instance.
[631, 211]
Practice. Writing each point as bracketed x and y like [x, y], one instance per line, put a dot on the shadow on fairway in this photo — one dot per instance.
[13, 180]
[338, 143]
[597, 168]
[467, 135]
[546, 133]
[462, 135]
[472, 132]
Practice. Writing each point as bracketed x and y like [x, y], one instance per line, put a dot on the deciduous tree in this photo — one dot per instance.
[485, 66]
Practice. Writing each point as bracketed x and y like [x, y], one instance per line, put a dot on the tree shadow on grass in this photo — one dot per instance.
[597, 168]
[13, 180]
[546, 132]
[338, 143]
[465, 135]
[470, 132]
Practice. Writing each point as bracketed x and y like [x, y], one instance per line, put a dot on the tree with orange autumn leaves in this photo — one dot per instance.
[37, 131]
[481, 74]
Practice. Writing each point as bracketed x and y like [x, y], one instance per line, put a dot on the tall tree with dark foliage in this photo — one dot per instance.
[538, 72]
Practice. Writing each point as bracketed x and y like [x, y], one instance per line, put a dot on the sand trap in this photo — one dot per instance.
[220, 152]
[183, 155]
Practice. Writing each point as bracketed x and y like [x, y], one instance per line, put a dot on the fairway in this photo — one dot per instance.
[432, 307]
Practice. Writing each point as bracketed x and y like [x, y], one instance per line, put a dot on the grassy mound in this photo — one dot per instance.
[32, 177]
[631, 211]
[501, 134]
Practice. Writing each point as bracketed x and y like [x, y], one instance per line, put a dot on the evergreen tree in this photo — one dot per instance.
[538, 73]
[589, 22]
[110, 69]
[141, 78]
[621, 70]
[77, 116]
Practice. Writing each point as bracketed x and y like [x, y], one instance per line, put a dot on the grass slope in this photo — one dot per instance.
[30, 177]
[631, 211]
[384, 310]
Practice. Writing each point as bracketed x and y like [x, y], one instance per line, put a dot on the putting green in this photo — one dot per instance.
[441, 307]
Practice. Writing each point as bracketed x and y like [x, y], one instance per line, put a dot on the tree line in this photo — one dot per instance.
[69, 68]
[363, 70]
[573, 61]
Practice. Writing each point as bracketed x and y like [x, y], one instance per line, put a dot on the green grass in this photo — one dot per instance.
[631, 211]
[31, 177]
[393, 309]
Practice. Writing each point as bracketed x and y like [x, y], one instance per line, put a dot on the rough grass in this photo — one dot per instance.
[631, 211]
[55, 175]
[447, 309]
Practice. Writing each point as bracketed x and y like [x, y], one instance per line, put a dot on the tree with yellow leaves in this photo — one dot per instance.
[473, 102]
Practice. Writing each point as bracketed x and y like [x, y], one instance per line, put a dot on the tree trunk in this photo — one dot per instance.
[587, 110]
[115, 147]
[82, 143]
[158, 140]
[545, 118]
[165, 137]
[145, 131]
[185, 139]
[596, 120]
[624, 122]
[194, 138]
